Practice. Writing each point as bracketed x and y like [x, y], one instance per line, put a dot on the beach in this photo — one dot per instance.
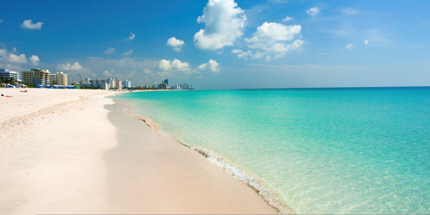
[77, 151]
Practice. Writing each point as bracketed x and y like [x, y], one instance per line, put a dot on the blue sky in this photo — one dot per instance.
[223, 44]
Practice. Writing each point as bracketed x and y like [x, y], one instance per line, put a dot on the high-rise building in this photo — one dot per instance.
[126, 84]
[5, 74]
[118, 84]
[165, 81]
[162, 86]
[111, 83]
[35, 77]
[58, 78]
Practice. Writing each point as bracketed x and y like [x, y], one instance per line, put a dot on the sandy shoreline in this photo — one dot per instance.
[76, 151]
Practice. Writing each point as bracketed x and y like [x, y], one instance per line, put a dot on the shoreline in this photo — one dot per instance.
[260, 186]
[245, 199]
[71, 154]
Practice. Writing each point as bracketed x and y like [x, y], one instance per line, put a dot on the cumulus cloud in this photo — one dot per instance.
[224, 23]
[109, 51]
[18, 59]
[69, 67]
[234, 51]
[366, 42]
[212, 66]
[164, 64]
[287, 19]
[314, 11]
[28, 24]
[175, 43]
[34, 59]
[128, 53]
[350, 46]
[270, 37]
[107, 73]
[177, 65]
[131, 37]
[271, 31]
[147, 71]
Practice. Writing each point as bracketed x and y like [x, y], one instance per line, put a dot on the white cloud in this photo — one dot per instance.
[34, 59]
[258, 55]
[109, 51]
[314, 11]
[245, 54]
[107, 73]
[131, 37]
[175, 43]
[349, 11]
[17, 58]
[350, 46]
[234, 51]
[147, 71]
[224, 23]
[164, 64]
[28, 24]
[366, 42]
[212, 66]
[270, 36]
[287, 19]
[177, 65]
[3, 52]
[128, 53]
[1, 20]
[202, 67]
[219, 53]
[69, 67]
[271, 31]
[14, 50]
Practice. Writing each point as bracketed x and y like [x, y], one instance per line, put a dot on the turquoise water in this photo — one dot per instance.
[356, 150]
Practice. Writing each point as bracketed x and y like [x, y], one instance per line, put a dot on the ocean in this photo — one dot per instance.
[335, 150]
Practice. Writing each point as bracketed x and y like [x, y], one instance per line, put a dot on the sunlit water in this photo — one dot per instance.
[325, 150]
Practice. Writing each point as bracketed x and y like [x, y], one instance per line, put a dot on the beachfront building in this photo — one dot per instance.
[186, 86]
[111, 83]
[175, 87]
[35, 77]
[58, 78]
[162, 86]
[86, 82]
[118, 84]
[5, 74]
[165, 81]
[126, 84]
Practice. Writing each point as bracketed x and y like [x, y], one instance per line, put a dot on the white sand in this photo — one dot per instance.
[75, 151]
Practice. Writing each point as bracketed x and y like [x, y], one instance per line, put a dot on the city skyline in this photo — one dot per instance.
[223, 44]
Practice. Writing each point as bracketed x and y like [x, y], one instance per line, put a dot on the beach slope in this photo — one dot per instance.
[76, 151]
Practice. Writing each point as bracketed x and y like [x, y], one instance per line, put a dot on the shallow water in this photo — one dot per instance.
[356, 150]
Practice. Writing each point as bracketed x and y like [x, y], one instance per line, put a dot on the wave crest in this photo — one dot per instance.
[271, 196]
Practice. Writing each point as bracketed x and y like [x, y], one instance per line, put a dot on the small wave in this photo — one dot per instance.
[271, 196]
